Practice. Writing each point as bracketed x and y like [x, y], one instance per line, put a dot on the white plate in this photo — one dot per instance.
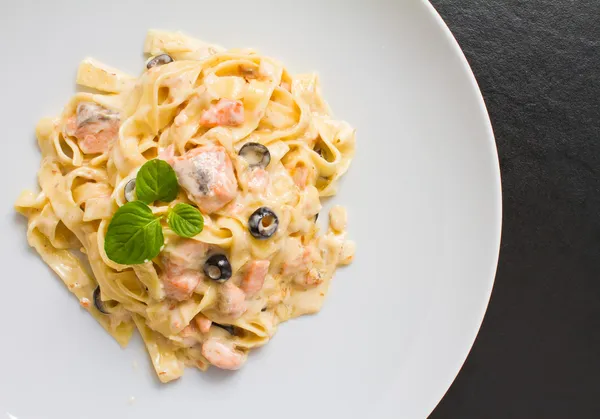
[423, 195]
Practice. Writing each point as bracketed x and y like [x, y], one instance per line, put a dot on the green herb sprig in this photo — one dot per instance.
[185, 220]
[135, 234]
[156, 181]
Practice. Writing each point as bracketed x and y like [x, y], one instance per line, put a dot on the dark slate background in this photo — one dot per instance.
[538, 352]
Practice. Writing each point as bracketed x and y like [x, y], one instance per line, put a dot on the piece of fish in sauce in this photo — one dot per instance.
[254, 279]
[185, 254]
[202, 323]
[232, 301]
[95, 127]
[182, 262]
[224, 113]
[206, 173]
[222, 354]
[180, 285]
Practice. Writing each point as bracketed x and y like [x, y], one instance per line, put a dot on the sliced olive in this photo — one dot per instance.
[129, 190]
[263, 309]
[159, 60]
[229, 328]
[98, 301]
[263, 223]
[257, 155]
[316, 217]
[217, 268]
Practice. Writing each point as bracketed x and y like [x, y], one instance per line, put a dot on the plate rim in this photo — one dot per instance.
[496, 231]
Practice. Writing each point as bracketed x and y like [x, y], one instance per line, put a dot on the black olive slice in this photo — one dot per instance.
[98, 302]
[263, 223]
[217, 268]
[159, 60]
[257, 155]
[129, 190]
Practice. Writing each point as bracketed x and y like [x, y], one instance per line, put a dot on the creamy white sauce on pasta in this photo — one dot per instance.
[196, 113]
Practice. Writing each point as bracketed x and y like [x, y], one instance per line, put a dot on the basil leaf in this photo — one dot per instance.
[134, 235]
[156, 181]
[185, 220]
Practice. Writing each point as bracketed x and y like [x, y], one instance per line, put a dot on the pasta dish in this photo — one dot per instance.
[183, 202]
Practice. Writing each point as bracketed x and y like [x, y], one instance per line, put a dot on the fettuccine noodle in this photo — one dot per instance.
[194, 109]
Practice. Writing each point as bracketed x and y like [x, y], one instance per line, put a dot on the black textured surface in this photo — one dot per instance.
[538, 352]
